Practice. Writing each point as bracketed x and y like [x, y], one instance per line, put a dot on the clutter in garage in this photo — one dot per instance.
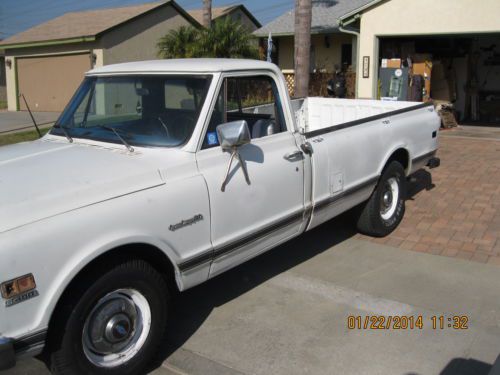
[461, 75]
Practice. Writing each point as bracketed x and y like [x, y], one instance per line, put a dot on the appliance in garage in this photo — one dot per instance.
[460, 73]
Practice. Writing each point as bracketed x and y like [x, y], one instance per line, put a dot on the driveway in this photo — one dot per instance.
[286, 312]
[455, 210]
[21, 120]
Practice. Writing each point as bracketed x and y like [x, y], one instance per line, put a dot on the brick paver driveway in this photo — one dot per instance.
[455, 210]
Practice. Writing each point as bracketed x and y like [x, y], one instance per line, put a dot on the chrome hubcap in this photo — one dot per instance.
[117, 328]
[389, 198]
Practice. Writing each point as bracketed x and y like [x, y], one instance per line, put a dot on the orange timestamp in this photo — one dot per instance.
[407, 322]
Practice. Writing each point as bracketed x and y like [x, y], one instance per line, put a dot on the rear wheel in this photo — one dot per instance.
[385, 209]
[112, 321]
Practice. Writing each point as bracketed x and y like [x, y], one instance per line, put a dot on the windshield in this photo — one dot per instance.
[160, 110]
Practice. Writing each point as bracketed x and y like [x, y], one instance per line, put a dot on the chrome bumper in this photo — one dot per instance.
[7, 354]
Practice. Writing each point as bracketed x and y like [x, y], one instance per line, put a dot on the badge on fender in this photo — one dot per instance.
[185, 223]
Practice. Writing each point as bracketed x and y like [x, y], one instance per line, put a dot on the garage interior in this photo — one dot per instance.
[461, 74]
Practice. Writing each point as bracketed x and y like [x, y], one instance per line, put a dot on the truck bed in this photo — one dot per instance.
[351, 142]
[317, 113]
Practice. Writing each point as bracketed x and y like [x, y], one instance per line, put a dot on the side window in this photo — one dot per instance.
[254, 99]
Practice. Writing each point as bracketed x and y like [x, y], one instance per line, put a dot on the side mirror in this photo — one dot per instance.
[233, 134]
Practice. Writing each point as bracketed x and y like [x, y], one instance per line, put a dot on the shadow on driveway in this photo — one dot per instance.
[192, 308]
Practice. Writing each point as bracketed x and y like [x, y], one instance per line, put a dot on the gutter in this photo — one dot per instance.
[353, 31]
[44, 43]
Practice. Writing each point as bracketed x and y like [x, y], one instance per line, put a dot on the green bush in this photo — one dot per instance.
[225, 39]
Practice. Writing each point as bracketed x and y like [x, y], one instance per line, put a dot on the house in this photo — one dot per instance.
[237, 13]
[457, 42]
[46, 63]
[330, 45]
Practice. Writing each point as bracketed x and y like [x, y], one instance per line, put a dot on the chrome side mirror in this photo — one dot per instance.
[231, 136]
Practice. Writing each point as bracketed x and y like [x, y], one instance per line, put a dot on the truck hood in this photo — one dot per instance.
[43, 178]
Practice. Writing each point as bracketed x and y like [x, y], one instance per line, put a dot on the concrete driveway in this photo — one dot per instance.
[11, 121]
[286, 312]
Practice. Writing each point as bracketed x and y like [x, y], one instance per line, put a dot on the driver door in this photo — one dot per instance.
[248, 219]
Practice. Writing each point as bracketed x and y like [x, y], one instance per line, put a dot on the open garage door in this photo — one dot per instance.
[460, 70]
[49, 82]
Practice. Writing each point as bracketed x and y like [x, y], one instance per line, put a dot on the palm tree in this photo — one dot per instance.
[226, 38]
[303, 14]
[178, 43]
[207, 13]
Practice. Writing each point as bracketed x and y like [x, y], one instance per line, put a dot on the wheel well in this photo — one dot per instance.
[402, 156]
[151, 254]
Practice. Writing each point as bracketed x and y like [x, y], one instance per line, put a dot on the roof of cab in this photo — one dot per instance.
[184, 66]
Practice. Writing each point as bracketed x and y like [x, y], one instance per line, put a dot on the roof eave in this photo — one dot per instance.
[53, 42]
[248, 13]
[291, 33]
[354, 12]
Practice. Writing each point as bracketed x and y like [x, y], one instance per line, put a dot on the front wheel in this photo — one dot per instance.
[112, 321]
[386, 207]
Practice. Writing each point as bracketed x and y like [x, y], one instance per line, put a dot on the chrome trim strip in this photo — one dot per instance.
[328, 201]
[365, 120]
[235, 245]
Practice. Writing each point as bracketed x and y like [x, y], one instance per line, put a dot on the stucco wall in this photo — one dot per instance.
[420, 17]
[324, 57]
[137, 40]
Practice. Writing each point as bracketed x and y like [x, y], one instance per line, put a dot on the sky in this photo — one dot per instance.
[20, 15]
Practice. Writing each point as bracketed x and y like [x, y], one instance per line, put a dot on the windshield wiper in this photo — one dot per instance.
[126, 144]
[64, 129]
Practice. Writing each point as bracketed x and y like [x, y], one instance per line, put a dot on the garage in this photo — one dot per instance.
[460, 73]
[46, 63]
[447, 51]
[48, 82]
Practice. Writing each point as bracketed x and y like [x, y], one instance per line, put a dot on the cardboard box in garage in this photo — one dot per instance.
[391, 63]
[425, 70]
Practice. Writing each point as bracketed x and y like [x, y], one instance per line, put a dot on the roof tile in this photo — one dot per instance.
[325, 16]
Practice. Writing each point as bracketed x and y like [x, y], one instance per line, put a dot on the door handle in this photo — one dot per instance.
[293, 155]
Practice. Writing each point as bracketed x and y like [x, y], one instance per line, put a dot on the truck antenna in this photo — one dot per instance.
[32, 118]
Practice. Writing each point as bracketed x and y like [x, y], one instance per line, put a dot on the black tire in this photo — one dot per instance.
[68, 354]
[376, 218]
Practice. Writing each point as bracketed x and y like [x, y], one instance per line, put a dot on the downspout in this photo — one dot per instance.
[356, 32]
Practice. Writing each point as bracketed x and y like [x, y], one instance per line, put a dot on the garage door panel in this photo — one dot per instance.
[49, 82]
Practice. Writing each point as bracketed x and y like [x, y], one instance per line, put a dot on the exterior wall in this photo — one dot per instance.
[325, 58]
[420, 17]
[14, 54]
[136, 41]
[240, 16]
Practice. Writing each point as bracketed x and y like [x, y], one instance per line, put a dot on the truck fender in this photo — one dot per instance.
[399, 153]
[92, 251]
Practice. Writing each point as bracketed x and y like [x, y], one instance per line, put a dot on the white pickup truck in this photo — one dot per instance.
[160, 175]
